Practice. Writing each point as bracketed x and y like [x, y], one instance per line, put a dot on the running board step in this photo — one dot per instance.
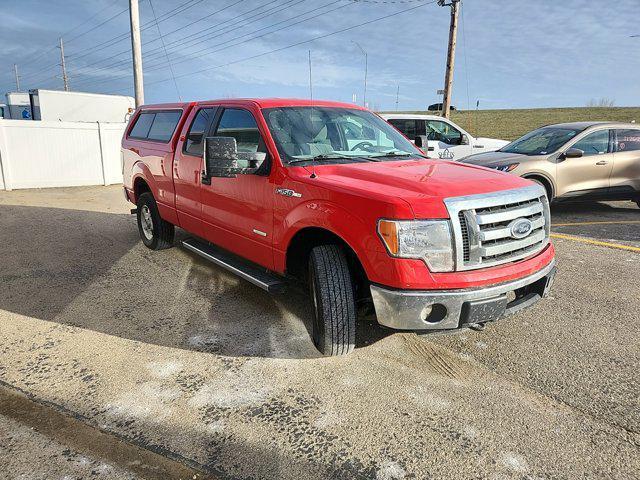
[259, 276]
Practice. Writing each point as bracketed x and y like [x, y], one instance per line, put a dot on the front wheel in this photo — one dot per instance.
[332, 292]
[155, 232]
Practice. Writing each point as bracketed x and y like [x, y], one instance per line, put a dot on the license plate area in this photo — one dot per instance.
[481, 311]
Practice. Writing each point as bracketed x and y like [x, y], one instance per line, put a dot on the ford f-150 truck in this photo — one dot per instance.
[334, 196]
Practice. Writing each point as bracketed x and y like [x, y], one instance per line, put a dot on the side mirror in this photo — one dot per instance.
[422, 141]
[464, 140]
[220, 158]
[573, 153]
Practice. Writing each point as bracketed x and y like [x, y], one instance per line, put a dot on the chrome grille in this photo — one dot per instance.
[482, 226]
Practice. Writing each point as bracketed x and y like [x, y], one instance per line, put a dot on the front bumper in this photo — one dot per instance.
[448, 309]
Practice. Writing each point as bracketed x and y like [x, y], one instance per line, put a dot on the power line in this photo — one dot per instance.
[123, 36]
[181, 42]
[157, 66]
[31, 60]
[97, 26]
[175, 83]
[205, 50]
[154, 40]
[286, 47]
[319, 37]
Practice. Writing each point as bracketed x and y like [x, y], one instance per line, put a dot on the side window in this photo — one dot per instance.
[443, 132]
[143, 124]
[406, 126]
[595, 143]
[197, 131]
[163, 126]
[627, 140]
[241, 125]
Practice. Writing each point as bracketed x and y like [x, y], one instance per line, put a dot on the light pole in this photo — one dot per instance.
[366, 67]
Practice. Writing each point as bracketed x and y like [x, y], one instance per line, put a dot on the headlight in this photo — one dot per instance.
[506, 168]
[429, 240]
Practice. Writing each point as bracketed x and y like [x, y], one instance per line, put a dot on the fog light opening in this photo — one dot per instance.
[433, 313]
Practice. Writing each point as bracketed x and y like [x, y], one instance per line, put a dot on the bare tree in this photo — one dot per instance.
[601, 103]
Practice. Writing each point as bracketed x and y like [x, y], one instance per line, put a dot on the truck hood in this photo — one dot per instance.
[423, 184]
[493, 158]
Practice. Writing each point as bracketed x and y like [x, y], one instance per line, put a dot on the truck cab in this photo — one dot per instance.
[331, 195]
[447, 140]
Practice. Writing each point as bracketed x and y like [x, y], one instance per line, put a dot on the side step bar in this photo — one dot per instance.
[259, 276]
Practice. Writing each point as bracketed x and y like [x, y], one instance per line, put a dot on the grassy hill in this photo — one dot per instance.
[511, 124]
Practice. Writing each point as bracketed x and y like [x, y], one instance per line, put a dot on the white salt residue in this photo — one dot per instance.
[326, 419]
[216, 427]
[470, 432]
[164, 369]
[514, 462]
[150, 399]
[231, 393]
[390, 471]
[428, 400]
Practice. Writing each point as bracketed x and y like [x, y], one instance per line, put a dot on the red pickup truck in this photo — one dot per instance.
[332, 195]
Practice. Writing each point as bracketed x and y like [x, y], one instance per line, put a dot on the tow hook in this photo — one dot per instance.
[478, 327]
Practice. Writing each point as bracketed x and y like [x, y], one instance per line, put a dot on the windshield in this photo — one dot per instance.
[541, 142]
[336, 135]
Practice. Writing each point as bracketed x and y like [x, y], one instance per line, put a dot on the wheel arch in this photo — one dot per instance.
[304, 240]
[545, 180]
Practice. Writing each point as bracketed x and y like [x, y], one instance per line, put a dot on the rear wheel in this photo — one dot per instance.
[155, 232]
[332, 293]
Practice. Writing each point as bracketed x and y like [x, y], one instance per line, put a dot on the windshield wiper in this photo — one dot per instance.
[327, 156]
[397, 154]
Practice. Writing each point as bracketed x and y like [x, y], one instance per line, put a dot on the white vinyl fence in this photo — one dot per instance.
[35, 154]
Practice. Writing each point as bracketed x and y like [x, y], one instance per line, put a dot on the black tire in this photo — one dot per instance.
[332, 294]
[161, 234]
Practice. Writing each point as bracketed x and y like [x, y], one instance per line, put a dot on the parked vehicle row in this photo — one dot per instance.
[575, 161]
[334, 196]
[447, 140]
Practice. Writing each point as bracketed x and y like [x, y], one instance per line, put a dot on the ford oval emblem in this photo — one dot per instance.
[520, 228]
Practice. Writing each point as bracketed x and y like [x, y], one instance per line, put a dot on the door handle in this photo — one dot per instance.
[602, 162]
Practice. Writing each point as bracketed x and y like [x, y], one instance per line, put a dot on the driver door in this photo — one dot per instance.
[587, 176]
[449, 140]
[237, 213]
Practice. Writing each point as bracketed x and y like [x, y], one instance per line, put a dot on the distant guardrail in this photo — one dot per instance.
[38, 154]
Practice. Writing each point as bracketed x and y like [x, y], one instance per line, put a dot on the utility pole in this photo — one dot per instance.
[397, 96]
[451, 55]
[65, 79]
[15, 71]
[366, 68]
[136, 51]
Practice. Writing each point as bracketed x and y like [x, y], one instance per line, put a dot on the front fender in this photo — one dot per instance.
[360, 234]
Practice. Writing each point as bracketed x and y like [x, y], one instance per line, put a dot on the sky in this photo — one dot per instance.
[510, 53]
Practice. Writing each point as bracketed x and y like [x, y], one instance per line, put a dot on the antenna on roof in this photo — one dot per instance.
[313, 162]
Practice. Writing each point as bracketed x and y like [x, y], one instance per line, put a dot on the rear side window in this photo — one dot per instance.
[627, 140]
[142, 125]
[157, 126]
[197, 131]
[406, 126]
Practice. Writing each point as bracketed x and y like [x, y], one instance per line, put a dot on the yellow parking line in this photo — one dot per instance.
[621, 222]
[596, 242]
